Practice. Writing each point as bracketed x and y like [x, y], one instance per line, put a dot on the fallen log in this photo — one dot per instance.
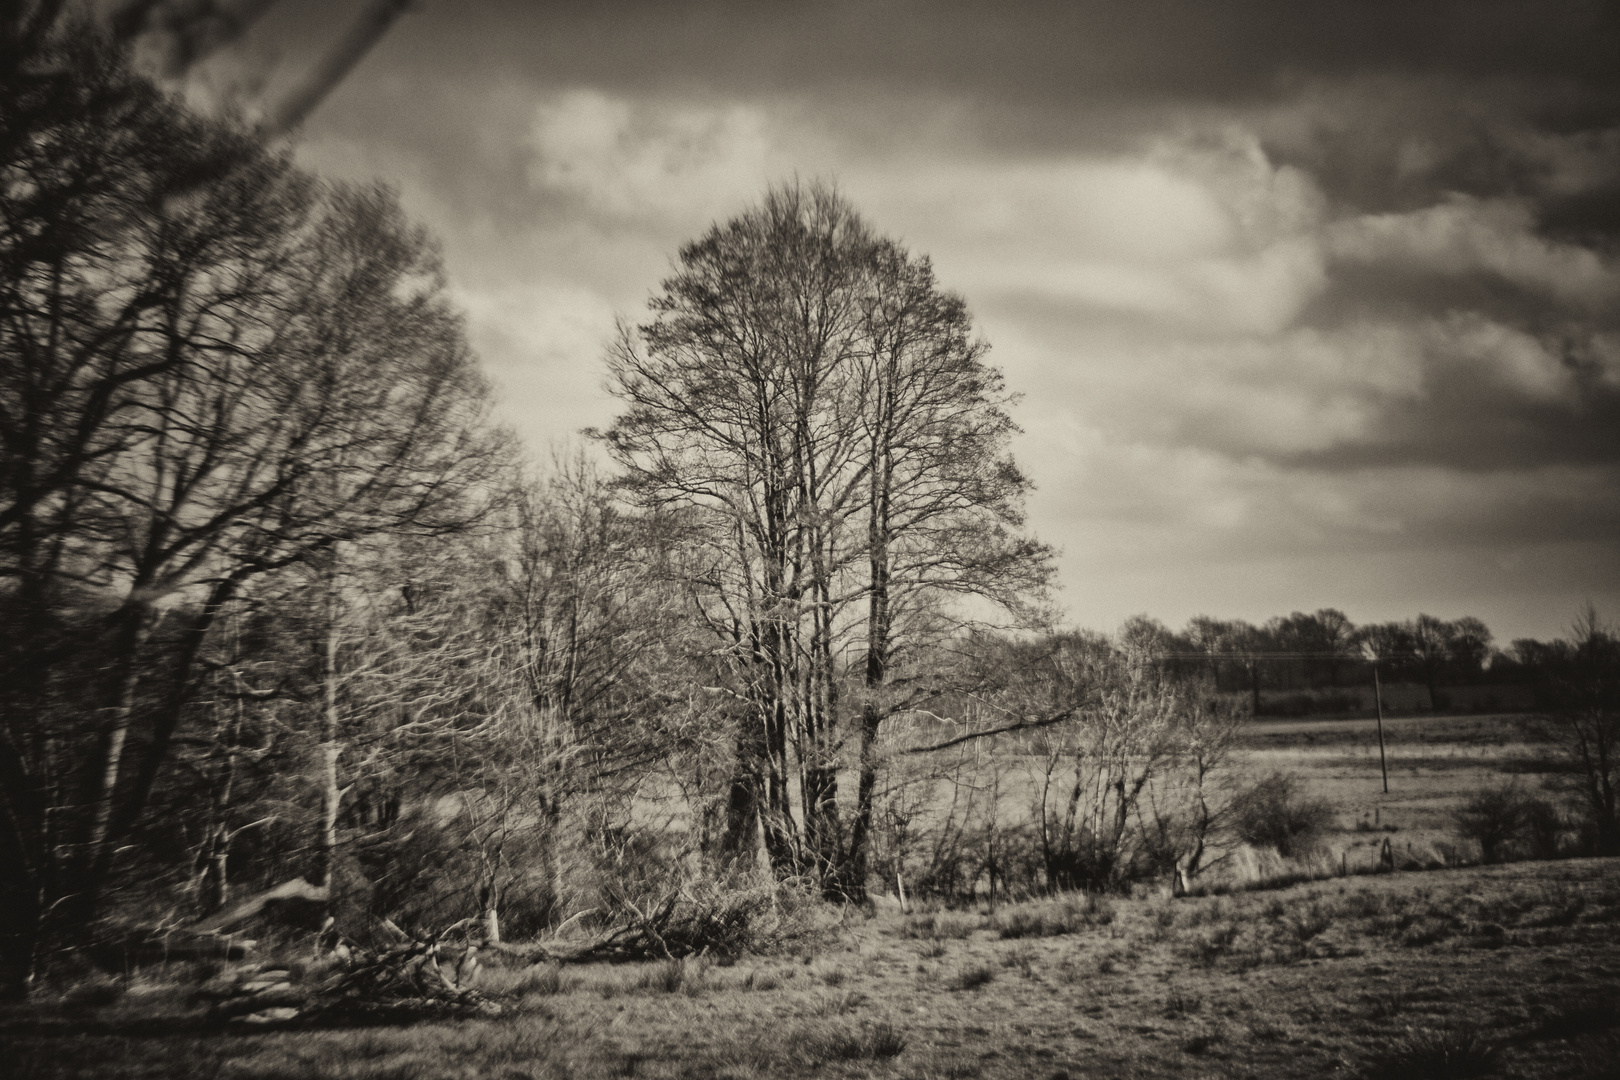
[277, 997]
[296, 889]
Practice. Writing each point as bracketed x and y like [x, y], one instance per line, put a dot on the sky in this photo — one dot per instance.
[1310, 304]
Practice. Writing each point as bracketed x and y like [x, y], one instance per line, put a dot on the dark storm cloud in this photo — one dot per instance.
[1183, 48]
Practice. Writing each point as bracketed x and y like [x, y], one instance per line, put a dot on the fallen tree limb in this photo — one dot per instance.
[296, 889]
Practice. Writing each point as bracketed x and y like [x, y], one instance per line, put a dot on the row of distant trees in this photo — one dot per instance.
[1325, 649]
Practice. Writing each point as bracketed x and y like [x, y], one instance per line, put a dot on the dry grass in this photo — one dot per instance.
[1360, 977]
[1515, 968]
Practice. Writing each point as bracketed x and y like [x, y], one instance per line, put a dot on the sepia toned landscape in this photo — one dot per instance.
[711, 539]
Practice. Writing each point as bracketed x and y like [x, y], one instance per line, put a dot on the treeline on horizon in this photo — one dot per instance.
[1325, 651]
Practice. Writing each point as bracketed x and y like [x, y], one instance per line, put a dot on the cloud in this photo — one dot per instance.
[629, 159]
[1463, 235]
[1147, 502]
[538, 341]
[1205, 233]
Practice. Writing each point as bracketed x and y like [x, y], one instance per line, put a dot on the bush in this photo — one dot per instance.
[868, 1044]
[1272, 814]
[972, 978]
[1498, 817]
[1051, 918]
[725, 918]
[1434, 1055]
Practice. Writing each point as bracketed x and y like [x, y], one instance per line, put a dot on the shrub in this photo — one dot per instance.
[1493, 818]
[972, 978]
[721, 918]
[1434, 1055]
[1312, 921]
[1272, 814]
[868, 1044]
[1068, 915]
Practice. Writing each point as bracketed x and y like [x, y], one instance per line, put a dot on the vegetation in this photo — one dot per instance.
[1273, 814]
[1319, 978]
[317, 709]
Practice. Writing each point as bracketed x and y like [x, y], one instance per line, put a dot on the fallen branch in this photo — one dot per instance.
[296, 889]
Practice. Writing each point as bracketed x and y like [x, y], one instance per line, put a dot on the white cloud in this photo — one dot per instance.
[1465, 235]
[637, 159]
[1511, 358]
[1204, 234]
[542, 344]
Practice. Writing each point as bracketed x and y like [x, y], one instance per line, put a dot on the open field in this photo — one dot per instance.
[1520, 964]
[1435, 763]
[1515, 968]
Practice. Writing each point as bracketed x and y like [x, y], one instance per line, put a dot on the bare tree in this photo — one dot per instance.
[943, 496]
[1584, 719]
[813, 409]
[205, 384]
[1124, 743]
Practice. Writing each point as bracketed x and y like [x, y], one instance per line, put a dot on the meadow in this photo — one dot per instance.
[1509, 970]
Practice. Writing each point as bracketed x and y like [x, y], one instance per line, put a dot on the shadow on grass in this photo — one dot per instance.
[338, 1017]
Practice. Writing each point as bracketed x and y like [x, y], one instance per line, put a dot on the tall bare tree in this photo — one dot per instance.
[814, 409]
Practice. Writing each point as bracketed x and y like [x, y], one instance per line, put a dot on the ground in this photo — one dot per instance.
[1510, 971]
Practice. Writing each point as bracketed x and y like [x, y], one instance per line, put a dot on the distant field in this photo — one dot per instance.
[1435, 764]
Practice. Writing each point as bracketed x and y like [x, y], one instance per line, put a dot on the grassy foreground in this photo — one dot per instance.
[1510, 971]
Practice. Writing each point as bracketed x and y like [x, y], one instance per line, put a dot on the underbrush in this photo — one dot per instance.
[1426, 1054]
[1068, 914]
[753, 914]
[1163, 980]
[941, 925]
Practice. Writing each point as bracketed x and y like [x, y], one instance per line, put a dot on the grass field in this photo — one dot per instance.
[1435, 764]
[1510, 971]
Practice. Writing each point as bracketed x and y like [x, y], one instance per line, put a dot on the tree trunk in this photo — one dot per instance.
[168, 717]
[326, 761]
[858, 865]
[75, 910]
[491, 916]
[877, 666]
[743, 794]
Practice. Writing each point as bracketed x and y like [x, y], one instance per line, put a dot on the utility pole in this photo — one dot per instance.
[1378, 701]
